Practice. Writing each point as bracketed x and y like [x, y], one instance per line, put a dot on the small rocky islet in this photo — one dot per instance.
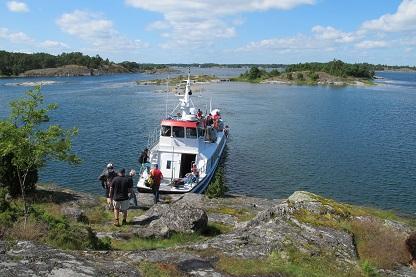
[304, 235]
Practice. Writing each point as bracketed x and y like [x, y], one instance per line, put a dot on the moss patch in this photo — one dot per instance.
[137, 243]
[377, 245]
[291, 263]
[150, 269]
[240, 214]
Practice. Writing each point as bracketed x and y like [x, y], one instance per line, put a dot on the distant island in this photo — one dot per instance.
[335, 73]
[77, 64]
[180, 79]
[374, 67]
[67, 64]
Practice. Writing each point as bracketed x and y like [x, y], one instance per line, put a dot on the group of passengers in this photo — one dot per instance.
[119, 187]
[211, 124]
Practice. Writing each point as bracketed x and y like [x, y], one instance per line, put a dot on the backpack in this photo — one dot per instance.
[149, 181]
[143, 158]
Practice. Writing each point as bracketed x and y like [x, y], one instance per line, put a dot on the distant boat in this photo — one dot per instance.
[378, 77]
[186, 151]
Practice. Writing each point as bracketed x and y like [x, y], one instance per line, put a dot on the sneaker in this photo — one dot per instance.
[124, 222]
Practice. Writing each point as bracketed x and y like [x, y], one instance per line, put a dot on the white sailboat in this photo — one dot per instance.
[185, 149]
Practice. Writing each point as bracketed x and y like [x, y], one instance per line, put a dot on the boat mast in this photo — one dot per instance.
[186, 98]
[166, 100]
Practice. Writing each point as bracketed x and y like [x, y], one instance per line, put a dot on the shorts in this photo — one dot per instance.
[122, 205]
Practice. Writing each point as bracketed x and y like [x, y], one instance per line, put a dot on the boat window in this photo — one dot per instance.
[166, 131]
[191, 133]
[178, 132]
[168, 164]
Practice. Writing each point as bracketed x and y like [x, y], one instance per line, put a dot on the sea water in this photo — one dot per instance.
[354, 144]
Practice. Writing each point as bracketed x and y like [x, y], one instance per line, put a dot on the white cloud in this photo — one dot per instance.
[15, 37]
[15, 6]
[198, 22]
[53, 44]
[321, 38]
[97, 31]
[370, 44]
[403, 20]
[297, 42]
[332, 34]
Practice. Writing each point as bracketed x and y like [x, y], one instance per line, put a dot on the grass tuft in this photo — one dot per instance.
[150, 269]
[241, 214]
[32, 230]
[379, 245]
[292, 263]
[137, 243]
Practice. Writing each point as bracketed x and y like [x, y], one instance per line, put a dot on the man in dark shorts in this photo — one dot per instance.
[157, 178]
[106, 177]
[120, 188]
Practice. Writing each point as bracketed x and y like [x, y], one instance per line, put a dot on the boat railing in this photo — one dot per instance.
[202, 169]
[153, 138]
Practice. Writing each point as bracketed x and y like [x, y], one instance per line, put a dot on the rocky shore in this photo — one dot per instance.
[192, 235]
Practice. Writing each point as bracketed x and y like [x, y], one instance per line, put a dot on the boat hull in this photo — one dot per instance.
[200, 187]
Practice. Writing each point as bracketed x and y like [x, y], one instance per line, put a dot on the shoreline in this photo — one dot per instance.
[195, 235]
[57, 187]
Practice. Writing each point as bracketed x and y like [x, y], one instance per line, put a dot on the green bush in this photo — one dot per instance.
[64, 234]
[369, 270]
[274, 72]
[313, 75]
[9, 178]
[299, 76]
[4, 205]
[217, 187]
[7, 218]
[7, 214]
[75, 237]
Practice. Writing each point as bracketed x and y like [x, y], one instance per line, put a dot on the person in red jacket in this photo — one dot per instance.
[216, 119]
[157, 178]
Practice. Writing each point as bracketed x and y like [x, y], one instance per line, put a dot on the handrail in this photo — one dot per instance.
[153, 138]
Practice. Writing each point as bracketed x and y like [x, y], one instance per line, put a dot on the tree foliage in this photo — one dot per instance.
[12, 64]
[255, 74]
[16, 63]
[133, 66]
[10, 180]
[335, 68]
[28, 140]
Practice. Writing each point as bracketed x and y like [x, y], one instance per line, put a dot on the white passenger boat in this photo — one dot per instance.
[186, 150]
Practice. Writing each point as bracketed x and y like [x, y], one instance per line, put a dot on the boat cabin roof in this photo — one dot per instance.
[180, 123]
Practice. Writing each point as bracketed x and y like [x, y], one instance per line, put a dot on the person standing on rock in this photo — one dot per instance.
[106, 177]
[157, 176]
[120, 188]
[133, 194]
[144, 161]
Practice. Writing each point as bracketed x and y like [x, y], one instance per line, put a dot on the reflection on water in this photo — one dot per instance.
[353, 144]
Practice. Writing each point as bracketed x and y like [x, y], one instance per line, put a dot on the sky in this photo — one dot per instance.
[226, 31]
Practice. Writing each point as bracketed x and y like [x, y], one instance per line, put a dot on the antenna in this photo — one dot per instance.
[166, 100]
